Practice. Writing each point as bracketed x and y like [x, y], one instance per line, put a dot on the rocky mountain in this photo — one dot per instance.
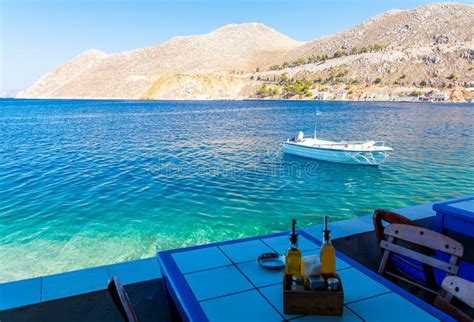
[424, 49]
[49, 84]
[135, 73]
[440, 23]
[423, 45]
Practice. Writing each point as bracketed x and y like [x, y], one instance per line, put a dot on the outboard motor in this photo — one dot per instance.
[299, 136]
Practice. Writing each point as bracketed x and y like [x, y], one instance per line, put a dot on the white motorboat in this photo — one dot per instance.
[364, 153]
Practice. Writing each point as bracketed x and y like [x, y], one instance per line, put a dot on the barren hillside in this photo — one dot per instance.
[131, 74]
[426, 48]
[440, 23]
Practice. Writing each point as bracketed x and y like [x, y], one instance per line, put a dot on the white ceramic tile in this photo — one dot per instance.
[347, 316]
[245, 251]
[217, 282]
[390, 307]
[280, 244]
[358, 286]
[259, 276]
[247, 306]
[274, 294]
[200, 259]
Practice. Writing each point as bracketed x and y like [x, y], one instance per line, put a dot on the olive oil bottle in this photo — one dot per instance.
[294, 262]
[328, 253]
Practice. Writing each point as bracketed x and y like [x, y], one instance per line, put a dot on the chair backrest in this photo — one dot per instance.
[459, 288]
[419, 236]
[380, 216]
[121, 300]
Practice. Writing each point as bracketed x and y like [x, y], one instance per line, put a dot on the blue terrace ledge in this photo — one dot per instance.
[53, 287]
[20, 293]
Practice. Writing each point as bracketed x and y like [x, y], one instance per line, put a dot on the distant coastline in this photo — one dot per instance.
[469, 101]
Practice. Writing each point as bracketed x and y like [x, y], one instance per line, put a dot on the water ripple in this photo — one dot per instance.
[87, 183]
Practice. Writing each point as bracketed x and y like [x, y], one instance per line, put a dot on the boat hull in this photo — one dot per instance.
[332, 155]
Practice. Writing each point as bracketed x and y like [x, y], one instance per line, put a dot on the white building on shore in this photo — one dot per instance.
[322, 96]
[376, 96]
[441, 97]
[341, 96]
[405, 99]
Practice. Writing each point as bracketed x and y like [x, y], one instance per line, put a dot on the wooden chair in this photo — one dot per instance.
[412, 238]
[459, 288]
[413, 269]
[382, 216]
[121, 300]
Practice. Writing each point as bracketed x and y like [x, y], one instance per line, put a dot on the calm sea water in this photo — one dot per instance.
[86, 183]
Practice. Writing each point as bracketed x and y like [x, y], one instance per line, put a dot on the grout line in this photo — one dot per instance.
[256, 288]
[354, 312]
[269, 285]
[302, 251]
[228, 257]
[263, 241]
[225, 295]
[207, 269]
[370, 297]
[236, 266]
[246, 261]
[343, 269]
[265, 298]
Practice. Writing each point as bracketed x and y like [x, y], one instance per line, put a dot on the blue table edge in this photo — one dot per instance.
[190, 309]
[446, 207]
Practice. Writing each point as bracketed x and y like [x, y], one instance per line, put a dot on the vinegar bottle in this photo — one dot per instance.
[328, 253]
[294, 262]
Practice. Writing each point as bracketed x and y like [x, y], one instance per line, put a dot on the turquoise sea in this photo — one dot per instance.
[86, 183]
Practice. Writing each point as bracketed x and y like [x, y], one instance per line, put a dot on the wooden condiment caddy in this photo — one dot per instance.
[309, 302]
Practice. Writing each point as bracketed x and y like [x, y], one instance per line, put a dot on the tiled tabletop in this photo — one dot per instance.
[224, 282]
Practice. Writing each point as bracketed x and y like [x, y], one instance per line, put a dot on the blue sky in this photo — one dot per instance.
[36, 36]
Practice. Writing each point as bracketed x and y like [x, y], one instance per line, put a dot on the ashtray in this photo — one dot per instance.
[271, 261]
